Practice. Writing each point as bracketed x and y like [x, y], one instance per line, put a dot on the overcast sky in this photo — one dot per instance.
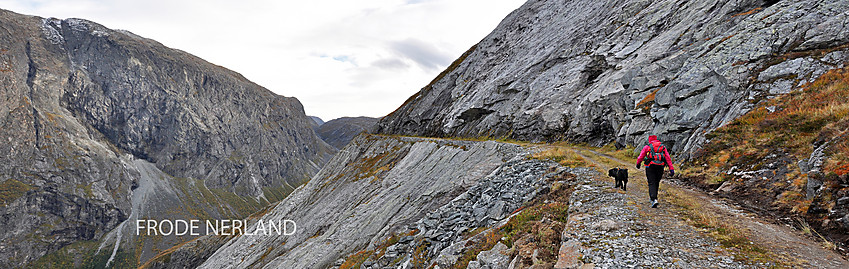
[338, 57]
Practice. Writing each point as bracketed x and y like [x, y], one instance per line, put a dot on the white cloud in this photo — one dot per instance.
[338, 57]
[424, 54]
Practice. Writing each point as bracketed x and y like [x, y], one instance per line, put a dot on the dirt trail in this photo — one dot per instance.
[784, 243]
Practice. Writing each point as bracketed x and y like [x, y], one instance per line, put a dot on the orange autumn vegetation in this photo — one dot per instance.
[800, 118]
[813, 115]
[648, 99]
[750, 12]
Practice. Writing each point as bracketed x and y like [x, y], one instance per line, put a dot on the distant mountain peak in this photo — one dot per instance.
[105, 127]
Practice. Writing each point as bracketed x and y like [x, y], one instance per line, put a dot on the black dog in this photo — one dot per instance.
[621, 176]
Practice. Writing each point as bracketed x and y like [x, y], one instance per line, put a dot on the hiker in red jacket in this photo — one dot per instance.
[656, 157]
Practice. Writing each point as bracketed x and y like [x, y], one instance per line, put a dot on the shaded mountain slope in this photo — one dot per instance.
[603, 71]
[338, 132]
[316, 121]
[103, 127]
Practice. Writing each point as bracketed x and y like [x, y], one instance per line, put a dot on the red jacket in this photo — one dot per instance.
[647, 148]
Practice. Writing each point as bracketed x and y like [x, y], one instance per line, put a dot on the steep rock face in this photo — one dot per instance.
[339, 132]
[449, 232]
[372, 189]
[103, 126]
[603, 71]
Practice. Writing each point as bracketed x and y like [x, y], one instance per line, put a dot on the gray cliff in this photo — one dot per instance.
[374, 188]
[101, 127]
[605, 71]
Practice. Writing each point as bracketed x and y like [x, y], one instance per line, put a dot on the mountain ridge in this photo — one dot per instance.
[613, 71]
[105, 127]
[338, 132]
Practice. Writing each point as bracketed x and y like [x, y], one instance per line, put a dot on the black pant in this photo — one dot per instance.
[653, 174]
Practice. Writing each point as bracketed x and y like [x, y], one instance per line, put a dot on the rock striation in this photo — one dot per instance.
[379, 187]
[338, 132]
[444, 232]
[604, 71]
[102, 126]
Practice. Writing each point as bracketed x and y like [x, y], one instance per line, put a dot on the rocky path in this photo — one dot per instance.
[618, 229]
[610, 228]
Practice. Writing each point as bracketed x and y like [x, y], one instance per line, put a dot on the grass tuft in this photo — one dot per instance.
[357, 259]
[561, 155]
[777, 135]
[11, 190]
[536, 227]
[717, 227]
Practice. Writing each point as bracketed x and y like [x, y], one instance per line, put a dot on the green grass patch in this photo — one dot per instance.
[275, 194]
[625, 154]
[200, 202]
[523, 223]
[11, 190]
[241, 206]
[83, 254]
[562, 155]
[86, 188]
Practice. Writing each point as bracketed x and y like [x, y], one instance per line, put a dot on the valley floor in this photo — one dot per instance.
[610, 228]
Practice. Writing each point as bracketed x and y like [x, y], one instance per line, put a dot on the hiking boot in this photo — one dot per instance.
[654, 203]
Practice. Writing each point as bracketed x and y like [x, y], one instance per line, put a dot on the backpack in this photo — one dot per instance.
[655, 154]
